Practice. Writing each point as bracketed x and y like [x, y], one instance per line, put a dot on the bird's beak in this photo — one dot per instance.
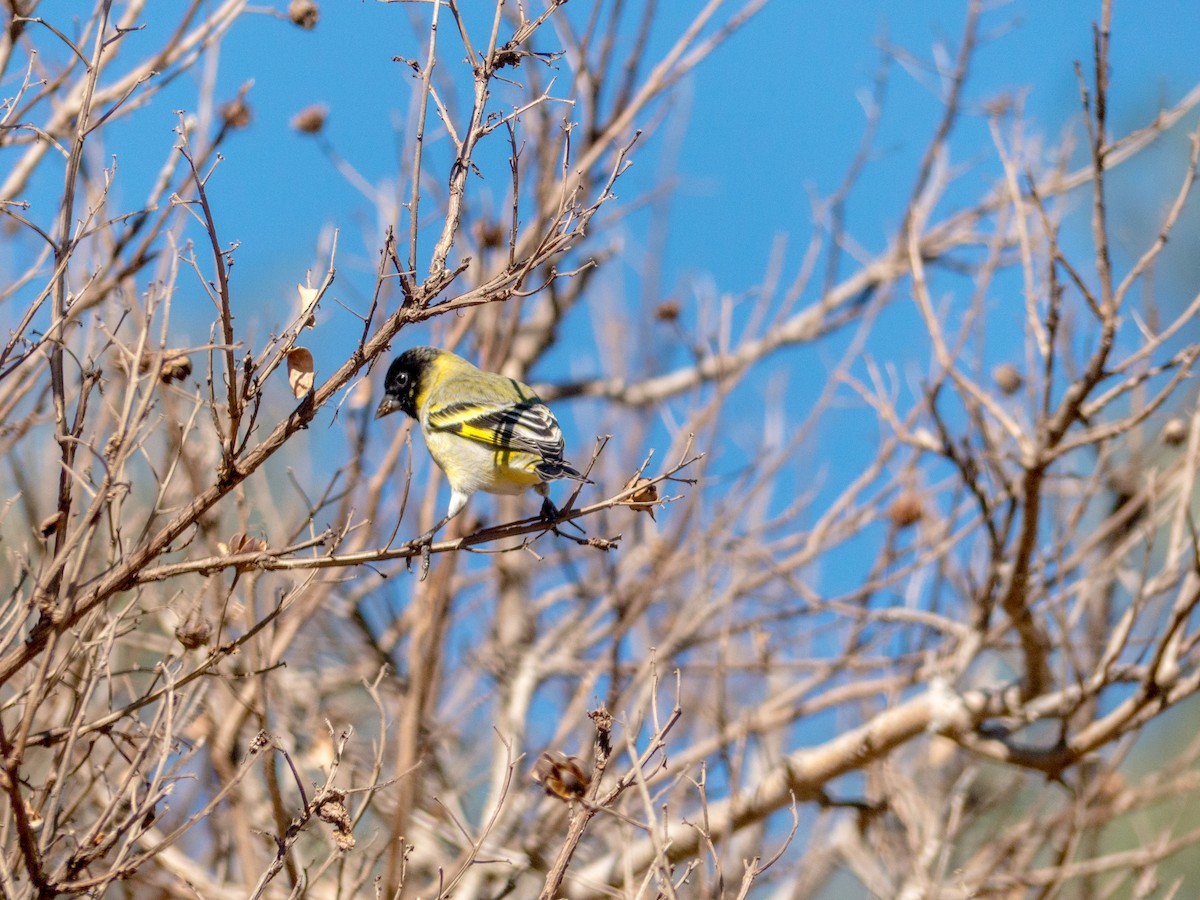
[386, 405]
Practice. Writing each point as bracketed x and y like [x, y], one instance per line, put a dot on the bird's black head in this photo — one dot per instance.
[403, 381]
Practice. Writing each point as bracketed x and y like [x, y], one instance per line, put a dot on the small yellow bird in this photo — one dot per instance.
[485, 431]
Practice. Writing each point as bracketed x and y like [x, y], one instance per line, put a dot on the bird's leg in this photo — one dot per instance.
[425, 541]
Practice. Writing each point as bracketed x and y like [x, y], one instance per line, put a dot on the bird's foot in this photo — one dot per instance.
[425, 543]
[550, 515]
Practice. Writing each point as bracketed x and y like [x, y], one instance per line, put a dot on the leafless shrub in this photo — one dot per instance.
[218, 678]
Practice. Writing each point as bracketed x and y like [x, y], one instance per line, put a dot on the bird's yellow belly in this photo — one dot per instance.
[471, 466]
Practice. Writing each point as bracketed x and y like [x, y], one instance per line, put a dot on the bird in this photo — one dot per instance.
[486, 431]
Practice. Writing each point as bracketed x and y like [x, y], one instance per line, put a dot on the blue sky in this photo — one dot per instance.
[773, 117]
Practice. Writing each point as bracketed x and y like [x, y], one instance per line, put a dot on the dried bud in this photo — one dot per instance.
[1175, 432]
[561, 775]
[236, 113]
[1008, 378]
[304, 13]
[311, 119]
[906, 510]
[667, 311]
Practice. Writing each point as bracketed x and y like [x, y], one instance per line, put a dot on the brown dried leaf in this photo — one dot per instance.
[301, 374]
[331, 807]
[241, 543]
[308, 305]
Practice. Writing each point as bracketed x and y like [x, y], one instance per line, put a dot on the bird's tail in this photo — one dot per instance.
[551, 470]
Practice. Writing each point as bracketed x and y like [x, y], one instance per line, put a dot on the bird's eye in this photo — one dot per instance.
[402, 378]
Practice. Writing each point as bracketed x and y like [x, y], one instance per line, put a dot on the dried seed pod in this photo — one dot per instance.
[1175, 432]
[561, 776]
[1008, 378]
[490, 234]
[906, 510]
[311, 119]
[236, 113]
[175, 366]
[645, 497]
[239, 544]
[667, 311]
[242, 543]
[172, 365]
[304, 13]
[194, 632]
